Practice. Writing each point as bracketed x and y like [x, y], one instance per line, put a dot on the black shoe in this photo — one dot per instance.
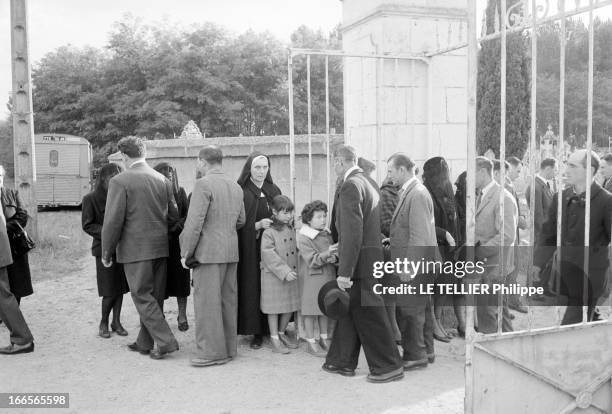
[394, 375]
[419, 363]
[431, 358]
[103, 331]
[160, 353]
[441, 338]
[134, 347]
[119, 329]
[14, 349]
[332, 369]
[256, 342]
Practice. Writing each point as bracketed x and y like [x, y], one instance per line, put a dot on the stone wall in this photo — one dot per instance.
[182, 153]
[409, 117]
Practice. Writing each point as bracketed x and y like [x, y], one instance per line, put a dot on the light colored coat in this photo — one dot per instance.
[215, 213]
[488, 232]
[413, 236]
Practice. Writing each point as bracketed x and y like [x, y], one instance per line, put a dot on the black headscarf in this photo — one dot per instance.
[245, 175]
[436, 177]
[106, 172]
[166, 166]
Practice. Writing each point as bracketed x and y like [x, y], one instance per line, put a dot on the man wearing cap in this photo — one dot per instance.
[359, 246]
[573, 220]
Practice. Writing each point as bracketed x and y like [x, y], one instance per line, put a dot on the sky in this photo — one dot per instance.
[54, 23]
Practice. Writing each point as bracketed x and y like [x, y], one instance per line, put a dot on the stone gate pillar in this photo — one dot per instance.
[412, 106]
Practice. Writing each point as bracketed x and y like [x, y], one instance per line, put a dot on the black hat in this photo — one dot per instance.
[333, 301]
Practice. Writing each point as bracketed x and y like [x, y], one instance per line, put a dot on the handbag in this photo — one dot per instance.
[20, 242]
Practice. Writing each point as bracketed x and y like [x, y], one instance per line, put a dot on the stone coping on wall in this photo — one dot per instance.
[236, 146]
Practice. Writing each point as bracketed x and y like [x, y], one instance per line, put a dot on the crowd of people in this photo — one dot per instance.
[253, 268]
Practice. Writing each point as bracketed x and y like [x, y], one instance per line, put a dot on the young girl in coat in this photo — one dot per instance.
[279, 285]
[317, 255]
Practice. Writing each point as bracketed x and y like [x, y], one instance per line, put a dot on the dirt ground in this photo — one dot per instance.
[101, 375]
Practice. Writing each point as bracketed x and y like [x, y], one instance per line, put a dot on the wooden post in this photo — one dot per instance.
[23, 119]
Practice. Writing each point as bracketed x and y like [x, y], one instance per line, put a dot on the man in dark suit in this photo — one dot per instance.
[209, 242]
[573, 221]
[413, 237]
[140, 208]
[359, 246]
[21, 337]
[606, 172]
[544, 189]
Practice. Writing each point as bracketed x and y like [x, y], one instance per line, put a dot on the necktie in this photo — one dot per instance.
[548, 184]
[478, 198]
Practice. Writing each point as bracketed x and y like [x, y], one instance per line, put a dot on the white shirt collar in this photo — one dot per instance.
[407, 183]
[309, 232]
[486, 189]
[350, 170]
[143, 161]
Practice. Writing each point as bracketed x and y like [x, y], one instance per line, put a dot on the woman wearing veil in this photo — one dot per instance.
[259, 191]
[112, 283]
[178, 278]
[436, 177]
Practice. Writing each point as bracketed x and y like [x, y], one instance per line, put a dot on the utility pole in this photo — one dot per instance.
[23, 118]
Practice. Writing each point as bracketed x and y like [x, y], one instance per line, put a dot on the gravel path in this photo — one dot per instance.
[101, 375]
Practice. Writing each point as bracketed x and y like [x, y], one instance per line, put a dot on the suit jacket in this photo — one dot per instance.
[413, 237]
[358, 224]
[140, 208]
[215, 213]
[542, 201]
[413, 227]
[6, 258]
[488, 231]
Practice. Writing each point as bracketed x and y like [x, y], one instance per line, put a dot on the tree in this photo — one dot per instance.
[489, 89]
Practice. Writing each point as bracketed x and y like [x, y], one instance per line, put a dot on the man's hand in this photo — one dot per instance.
[263, 224]
[386, 241]
[184, 263]
[344, 282]
[291, 277]
[450, 240]
[107, 263]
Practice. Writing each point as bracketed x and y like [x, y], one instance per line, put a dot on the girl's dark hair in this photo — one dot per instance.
[312, 207]
[282, 203]
[106, 171]
[246, 170]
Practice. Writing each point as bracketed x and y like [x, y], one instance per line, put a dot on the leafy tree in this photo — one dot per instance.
[489, 89]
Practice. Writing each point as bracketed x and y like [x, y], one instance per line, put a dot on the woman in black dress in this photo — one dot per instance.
[259, 191]
[20, 280]
[178, 279]
[112, 284]
[436, 177]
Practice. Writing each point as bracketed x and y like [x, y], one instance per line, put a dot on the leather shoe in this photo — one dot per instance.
[288, 341]
[395, 375]
[431, 358]
[332, 369]
[202, 362]
[256, 342]
[119, 329]
[441, 338]
[161, 354]
[134, 347]
[103, 331]
[419, 363]
[14, 349]
[182, 326]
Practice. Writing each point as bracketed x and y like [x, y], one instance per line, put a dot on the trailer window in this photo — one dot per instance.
[53, 158]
